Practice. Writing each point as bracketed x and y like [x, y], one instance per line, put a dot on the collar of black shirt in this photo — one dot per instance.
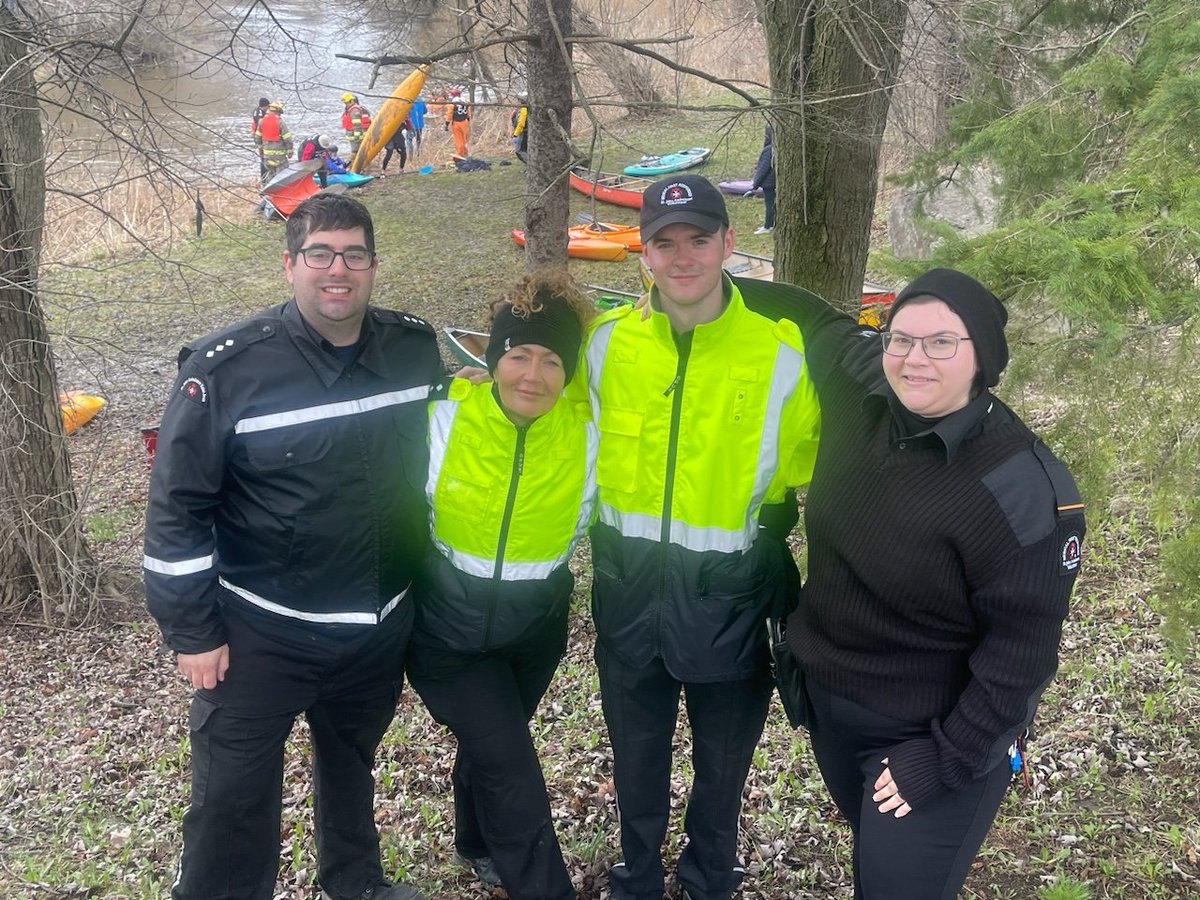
[948, 432]
[329, 363]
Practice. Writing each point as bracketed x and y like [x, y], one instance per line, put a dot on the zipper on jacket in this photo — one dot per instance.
[518, 467]
[683, 344]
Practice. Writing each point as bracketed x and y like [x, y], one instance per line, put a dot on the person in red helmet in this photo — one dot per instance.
[458, 121]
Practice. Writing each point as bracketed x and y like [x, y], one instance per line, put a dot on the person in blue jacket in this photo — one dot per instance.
[416, 115]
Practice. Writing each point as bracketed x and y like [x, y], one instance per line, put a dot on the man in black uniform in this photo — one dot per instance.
[286, 519]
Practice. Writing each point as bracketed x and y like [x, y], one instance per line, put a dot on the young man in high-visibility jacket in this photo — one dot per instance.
[706, 413]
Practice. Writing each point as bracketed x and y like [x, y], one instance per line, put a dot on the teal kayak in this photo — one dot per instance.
[671, 162]
[350, 179]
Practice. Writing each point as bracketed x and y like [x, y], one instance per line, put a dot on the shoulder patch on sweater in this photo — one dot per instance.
[1024, 493]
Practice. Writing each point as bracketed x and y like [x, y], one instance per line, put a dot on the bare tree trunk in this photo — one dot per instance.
[631, 75]
[43, 555]
[547, 206]
[833, 64]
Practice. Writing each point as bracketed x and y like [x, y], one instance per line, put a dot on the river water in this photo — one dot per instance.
[194, 105]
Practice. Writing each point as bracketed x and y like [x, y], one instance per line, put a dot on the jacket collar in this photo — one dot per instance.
[706, 331]
[317, 351]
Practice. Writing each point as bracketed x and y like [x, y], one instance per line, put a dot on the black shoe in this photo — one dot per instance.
[482, 866]
[384, 890]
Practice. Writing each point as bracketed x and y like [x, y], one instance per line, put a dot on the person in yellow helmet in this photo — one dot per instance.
[355, 122]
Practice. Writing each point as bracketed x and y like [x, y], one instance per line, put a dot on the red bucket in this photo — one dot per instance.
[150, 442]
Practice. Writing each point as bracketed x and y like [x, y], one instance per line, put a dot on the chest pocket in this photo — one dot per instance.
[285, 448]
[462, 499]
[620, 439]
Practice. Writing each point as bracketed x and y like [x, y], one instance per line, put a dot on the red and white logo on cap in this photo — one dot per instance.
[676, 194]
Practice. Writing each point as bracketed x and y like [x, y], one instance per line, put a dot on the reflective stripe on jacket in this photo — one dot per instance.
[692, 443]
[507, 507]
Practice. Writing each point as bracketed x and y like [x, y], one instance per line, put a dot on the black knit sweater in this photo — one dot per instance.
[940, 564]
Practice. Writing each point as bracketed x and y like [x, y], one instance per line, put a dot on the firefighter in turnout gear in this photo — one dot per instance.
[274, 139]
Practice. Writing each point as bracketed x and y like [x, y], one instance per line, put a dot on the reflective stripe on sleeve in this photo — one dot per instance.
[183, 567]
[330, 410]
[785, 377]
[597, 349]
[346, 618]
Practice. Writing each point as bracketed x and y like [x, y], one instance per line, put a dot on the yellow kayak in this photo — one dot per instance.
[389, 119]
[78, 409]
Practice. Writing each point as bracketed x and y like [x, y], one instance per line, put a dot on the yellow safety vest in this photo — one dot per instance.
[508, 503]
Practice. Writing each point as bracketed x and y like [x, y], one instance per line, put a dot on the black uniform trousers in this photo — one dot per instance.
[500, 804]
[926, 854]
[346, 680]
[641, 708]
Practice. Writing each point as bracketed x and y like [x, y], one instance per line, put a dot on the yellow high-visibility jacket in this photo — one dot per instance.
[507, 507]
[697, 432]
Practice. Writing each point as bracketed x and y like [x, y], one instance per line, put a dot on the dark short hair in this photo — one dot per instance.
[328, 212]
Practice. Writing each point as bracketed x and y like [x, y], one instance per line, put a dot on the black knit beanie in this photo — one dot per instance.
[555, 326]
[982, 313]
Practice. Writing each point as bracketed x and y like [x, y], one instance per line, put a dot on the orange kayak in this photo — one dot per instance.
[585, 247]
[629, 235]
[78, 409]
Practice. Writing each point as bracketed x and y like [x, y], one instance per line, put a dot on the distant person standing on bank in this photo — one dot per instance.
[520, 125]
[416, 115]
[255, 118]
[458, 122]
[275, 140]
[764, 177]
[397, 144]
[355, 122]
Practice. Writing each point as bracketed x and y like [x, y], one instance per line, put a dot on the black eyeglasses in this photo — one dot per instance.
[936, 346]
[323, 257]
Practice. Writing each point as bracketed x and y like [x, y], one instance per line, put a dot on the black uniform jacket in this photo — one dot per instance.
[288, 480]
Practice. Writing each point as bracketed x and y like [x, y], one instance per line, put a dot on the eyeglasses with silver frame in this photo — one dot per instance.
[323, 257]
[935, 346]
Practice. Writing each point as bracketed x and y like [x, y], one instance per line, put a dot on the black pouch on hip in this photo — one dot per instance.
[789, 676]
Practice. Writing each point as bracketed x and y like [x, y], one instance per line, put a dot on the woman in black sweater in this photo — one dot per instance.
[943, 543]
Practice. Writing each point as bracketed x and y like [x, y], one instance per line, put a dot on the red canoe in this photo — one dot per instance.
[620, 190]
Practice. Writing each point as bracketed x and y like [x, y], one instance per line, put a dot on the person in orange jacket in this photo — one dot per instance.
[274, 139]
[458, 122]
[355, 122]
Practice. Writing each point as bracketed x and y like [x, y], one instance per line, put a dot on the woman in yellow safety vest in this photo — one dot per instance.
[511, 489]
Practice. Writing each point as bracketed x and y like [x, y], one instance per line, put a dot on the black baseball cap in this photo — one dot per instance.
[690, 199]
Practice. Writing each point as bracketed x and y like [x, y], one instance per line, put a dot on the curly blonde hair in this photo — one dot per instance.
[530, 294]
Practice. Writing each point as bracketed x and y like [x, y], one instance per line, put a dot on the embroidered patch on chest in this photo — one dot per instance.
[1070, 553]
[195, 390]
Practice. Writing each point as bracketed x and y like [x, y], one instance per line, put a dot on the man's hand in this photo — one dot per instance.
[473, 374]
[204, 670]
[749, 193]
